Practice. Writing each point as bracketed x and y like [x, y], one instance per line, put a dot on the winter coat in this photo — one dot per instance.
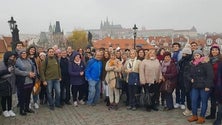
[7, 81]
[64, 65]
[134, 70]
[150, 71]
[171, 75]
[74, 70]
[104, 61]
[218, 84]
[22, 69]
[51, 71]
[202, 74]
[93, 70]
[184, 71]
[112, 72]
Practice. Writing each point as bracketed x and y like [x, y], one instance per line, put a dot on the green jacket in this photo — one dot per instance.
[50, 70]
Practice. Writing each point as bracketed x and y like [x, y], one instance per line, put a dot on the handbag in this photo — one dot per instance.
[145, 98]
[36, 87]
[119, 82]
[167, 86]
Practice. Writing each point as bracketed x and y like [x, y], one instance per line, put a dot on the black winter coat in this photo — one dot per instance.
[202, 74]
[184, 72]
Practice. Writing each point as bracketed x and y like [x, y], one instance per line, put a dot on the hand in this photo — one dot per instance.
[10, 68]
[207, 89]
[45, 83]
[128, 70]
[31, 74]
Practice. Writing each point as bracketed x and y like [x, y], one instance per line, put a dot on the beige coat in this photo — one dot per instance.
[134, 68]
[112, 72]
[150, 71]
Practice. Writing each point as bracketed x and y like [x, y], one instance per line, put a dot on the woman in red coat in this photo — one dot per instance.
[169, 72]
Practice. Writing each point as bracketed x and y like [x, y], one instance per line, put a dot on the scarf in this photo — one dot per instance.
[197, 61]
[175, 56]
[78, 63]
[214, 59]
[164, 66]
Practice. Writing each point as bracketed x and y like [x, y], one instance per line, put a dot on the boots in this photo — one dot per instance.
[22, 112]
[218, 120]
[200, 120]
[111, 106]
[192, 118]
[212, 114]
[107, 101]
[115, 107]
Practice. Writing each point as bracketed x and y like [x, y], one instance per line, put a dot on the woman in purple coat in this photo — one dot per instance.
[77, 77]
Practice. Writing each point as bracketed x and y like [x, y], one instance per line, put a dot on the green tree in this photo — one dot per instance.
[78, 39]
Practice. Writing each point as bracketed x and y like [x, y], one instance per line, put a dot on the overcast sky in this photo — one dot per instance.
[34, 16]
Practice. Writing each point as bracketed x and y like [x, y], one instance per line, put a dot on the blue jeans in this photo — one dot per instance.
[195, 95]
[53, 84]
[169, 100]
[94, 92]
[35, 98]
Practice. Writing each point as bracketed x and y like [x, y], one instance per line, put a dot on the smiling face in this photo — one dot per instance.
[215, 52]
[141, 53]
[64, 54]
[32, 51]
[167, 59]
[132, 54]
[196, 56]
[23, 55]
[77, 58]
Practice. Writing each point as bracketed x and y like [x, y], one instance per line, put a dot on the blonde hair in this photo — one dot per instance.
[150, 52]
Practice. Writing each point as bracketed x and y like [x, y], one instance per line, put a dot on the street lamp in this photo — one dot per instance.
[134, 35]
[12, 23]
[14, 31]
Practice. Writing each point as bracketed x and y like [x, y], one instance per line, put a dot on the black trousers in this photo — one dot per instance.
[24, 98]
[85, 91]
[43, 94]
[132, 89]
[126, 91]
[188, 100]
[153, 89]
[77, 89]
[6, 102]
[65, 91]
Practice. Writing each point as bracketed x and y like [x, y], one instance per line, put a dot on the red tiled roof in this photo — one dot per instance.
[8, 40]
[122, 43]
[3, 48]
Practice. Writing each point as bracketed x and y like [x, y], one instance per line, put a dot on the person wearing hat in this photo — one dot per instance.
[182, 77]
[201, 78]
[7, 83]
[214, 60]
[218, 89]
[25, 72]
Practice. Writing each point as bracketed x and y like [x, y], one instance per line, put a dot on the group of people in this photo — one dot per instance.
[88, 75]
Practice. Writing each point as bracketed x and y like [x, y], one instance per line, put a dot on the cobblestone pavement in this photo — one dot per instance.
[98, 115]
